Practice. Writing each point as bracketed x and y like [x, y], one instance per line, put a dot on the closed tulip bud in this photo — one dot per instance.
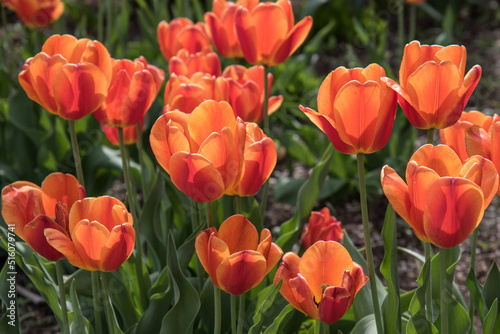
[36, 13]
[187, 64]
[321, 227]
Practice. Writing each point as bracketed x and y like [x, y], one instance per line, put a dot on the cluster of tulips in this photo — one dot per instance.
[209, 142]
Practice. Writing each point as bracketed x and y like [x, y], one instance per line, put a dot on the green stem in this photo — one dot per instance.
[194, 225]
[210, 219]
[76, 152]
[140, 149]
[217, 310]
[97, 305]
[326, 328]
[107, 304]
[238, 205]
[317, 327]
[368, 246]
[241, 314]
[443, 287]
[263, 202]
[266, 101]
[473, 267]
[430, 136]
[401, 26]
[233, 314]
[62, 297]
[428, 293]
[413, 22]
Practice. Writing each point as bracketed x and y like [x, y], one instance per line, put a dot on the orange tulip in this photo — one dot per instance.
[267, 33]
[454, 136]
[356, 109]
[321, 226]
[432, 89]
[187, 64]
[323, 283]
[69, 77]
[181, 33]
[32, 209]
[443, 200]
[158, 74]
[186, 93]
[233, 257]
[101, 236]
[260, 159]
[485, 141]
[131, 93]
[221, 26]
[246, 92]
[203, 151]
[36, 13]
[129, 134]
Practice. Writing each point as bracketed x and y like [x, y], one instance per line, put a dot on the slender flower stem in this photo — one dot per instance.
[401, 25]
[140, 149]
[194, 225]
[430, 136]
[210, 219]
[368, 246]
[97, 305]
[241, 314]
[317, 327]
[428, 293]
[62, 297]
[238, 205]
[233, 314]
[413, 22]
[443, 287]
[217, 310]
[107, 304]
[76, 152]
[472, 267]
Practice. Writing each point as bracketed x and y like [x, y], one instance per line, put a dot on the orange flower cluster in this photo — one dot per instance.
[36, 13]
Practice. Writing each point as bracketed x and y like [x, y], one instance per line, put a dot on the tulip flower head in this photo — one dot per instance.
[267, 33]
[157, 73]
[32, 209]
[321, 226]
[203, 151]
[131, 93]
[356, 109]
[323, 282]
[129, 134]
[101, 236]
[69, 77]
[221, 26]
[442, 200]
[432, 89]
[182, 33]
[187, 64]
[233, 257]
[246, 92]
[36, 13]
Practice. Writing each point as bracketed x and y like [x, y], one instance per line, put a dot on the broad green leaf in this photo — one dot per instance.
[258, 318]
[78, 323]
[476, 293]
[391, 308]
[274, 327]
[366, 325]
[418, 323]
[9, 323]
[180, 318]
[491, 319]
[491, 292]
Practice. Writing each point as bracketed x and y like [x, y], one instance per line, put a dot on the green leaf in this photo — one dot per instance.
[258, 318]
[78, 324]
[366, 325]
[9, 323]
[476, 293]
[180, 318]
[491, 319]
[491, 292]
[274, 327]
[391, 308]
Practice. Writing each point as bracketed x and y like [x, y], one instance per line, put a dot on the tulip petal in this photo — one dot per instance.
[59, 187]
[195, 176]
[337, 300]
[320, 265]
[89, 239]
[118, 247]
[79, 89]
[396, 191]
[68, 46]
[211, 251]
[34, 236]
[247, 35]
[385, 121]
[294, 39]
[495, 145]
[239, 234]
[303, 296]
[241, 272]
[62, 243]
[441, 158]
[477, 142]
[271, 252]
[454, 209]
[482, 172]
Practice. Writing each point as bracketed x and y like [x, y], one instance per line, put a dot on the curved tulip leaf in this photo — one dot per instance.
[491, 319]
[258, 318]
[491, 291]
[366, 325]
[9, 323]
[78, 322]
[274, 327]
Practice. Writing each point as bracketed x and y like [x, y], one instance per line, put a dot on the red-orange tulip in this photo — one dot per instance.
[260, 159]
[454, 136]
[69, 77]
[321, 227]
[131, 93]
[246, 92]
[186, 93]
[181, 33]
[443, 199]
[32, 209]
[221, 26]
[158, 74]
[36, 13]
[187, 64]
[323, 283]
[233, 257]
[101, 236]
[267, 33]
[432, 89]
[203, 151]
[356, 109]
[129, 134]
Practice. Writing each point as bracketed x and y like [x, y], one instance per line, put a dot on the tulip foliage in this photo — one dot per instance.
[214, 188]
